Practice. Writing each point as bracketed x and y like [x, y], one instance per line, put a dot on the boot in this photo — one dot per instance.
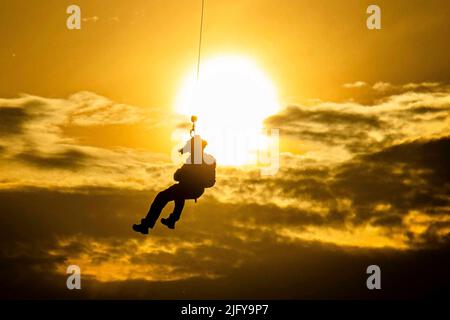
[168, 222]
[141, 228]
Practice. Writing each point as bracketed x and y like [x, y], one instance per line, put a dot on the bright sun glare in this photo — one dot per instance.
[231, 98]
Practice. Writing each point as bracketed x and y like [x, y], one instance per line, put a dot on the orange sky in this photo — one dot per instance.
[137, 52]
[86, 118]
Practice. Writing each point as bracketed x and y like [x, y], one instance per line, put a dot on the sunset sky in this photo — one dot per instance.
[87, 122]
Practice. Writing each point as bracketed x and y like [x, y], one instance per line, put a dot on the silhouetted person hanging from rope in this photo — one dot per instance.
[198, 173]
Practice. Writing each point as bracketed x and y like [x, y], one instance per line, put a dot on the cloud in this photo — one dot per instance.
[91, 109]
[384, 87]
[356, 128]
[200, 260]
[11, 120]
[388, 186]
[328, 117]
[69, 159]
[83, 108]
[385, 191]
[357, 84]
[34, 136]
[370, 185]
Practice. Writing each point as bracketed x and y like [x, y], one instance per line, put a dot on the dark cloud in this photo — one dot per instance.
[284, 236]
[333, 128]
[381, 189]
[432, 155]
[388, 220]
[233, 243]
[69, 159]
[328, 117]
[269, 269]
[409, 175]
[410, 112]
[427, 110]
[35, 213]
[13, 117]
[12, 120]
[406, 177]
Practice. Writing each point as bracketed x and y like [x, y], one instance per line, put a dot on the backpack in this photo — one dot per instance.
[207, 175]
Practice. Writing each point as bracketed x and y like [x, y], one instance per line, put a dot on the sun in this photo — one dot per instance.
[231, 98]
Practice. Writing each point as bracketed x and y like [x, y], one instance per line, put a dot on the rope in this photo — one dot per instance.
[200, 40]
[194, 118]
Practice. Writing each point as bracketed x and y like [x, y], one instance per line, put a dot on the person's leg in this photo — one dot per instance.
[158, 205]
[184, 192]
[175, 215]
[179, 205]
